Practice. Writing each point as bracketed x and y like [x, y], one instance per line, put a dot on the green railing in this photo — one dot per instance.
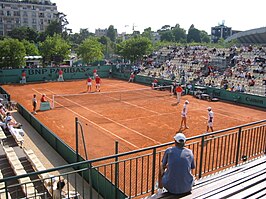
[135, 173]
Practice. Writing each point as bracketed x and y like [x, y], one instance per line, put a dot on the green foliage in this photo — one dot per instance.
[134, 48]
[147, 33]
[90, 50]
[167, 36]
[54, 28]
[54, 49]
[24, 33]
[193, 35]
[108, 45]
[30, 48]
[12, 53]
[205, 38]
[111, 33]
[179, 34]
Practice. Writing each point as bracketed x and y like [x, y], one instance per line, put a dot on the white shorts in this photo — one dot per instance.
[98, 85]
[183, 115]
[89, 83]
[210, 124]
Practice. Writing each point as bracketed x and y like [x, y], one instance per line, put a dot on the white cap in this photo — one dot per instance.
[209, 108]
[180, 136]
[187, 102]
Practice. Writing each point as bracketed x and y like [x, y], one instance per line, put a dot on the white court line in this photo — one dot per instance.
[136, 118]
[92, 122]
[109, 119]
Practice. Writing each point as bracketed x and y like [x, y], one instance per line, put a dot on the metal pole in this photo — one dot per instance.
[238, 145]
[153, 169]
[77, 141]
[201, 155]
[116, 170]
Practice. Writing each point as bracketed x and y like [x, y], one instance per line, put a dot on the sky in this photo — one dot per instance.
[125, 15]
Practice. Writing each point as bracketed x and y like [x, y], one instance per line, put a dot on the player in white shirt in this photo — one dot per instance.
[210, 119]
[184, 115]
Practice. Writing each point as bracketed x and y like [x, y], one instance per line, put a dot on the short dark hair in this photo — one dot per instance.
[60, 184]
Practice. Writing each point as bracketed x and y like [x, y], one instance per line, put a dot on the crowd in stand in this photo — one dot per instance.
[235, 69]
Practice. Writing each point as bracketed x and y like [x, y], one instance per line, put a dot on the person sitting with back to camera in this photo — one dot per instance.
[175, 172]
[59, 193]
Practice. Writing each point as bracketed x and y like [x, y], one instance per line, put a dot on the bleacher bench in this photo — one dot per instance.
[244, 181]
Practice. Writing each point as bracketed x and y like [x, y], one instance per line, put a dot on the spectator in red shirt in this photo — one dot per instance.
[98, 83]
[23, 77]
[43, 98]
[131, 78]
[60, 75]
[154, 83]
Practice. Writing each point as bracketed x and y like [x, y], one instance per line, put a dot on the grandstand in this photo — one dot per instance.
[250, 37]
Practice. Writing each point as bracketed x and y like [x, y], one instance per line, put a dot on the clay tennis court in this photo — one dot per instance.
[141, 118]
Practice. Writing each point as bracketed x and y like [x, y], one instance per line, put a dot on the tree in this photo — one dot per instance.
[26, 33]
[58, 26]
[193, 35]
[204, 37]
[54, 49]
[54, 28]
[12, 53]
[179, 34]
[30, 48]
[164, 28]
[147, 33]
[167, 36]
[90, 50]
[111, 33]
[134, 48]
[108, 45]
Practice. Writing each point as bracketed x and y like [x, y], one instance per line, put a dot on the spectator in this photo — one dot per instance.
[59, 193]
[23, 77]
[43, 98]
[131, 78]
[60, 75]
[154, 83]
[175, 172]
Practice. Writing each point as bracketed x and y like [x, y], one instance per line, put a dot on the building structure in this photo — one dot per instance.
[220, 31]
[35, 14]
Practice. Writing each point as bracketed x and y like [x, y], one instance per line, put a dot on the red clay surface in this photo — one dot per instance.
[139, 121]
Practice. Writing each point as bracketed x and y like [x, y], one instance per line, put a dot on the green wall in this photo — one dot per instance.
[241, 98]
[51, 74]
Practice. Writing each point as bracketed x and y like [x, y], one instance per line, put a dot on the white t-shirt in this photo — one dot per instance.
[184, 110]
[210, 115]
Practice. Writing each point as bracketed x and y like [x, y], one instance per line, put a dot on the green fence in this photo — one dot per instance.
[51, 74]
[99, 182]
[237, 97]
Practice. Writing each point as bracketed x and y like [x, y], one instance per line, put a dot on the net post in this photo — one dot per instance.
[52, 102]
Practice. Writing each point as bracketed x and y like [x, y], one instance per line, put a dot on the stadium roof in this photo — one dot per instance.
[253, 36]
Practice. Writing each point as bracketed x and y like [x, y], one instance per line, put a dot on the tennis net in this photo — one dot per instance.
[91, 98]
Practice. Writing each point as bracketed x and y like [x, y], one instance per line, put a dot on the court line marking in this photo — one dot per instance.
[119, 124]
[136, 118]
[92, 122]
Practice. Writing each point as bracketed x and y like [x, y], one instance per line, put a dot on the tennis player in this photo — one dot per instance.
[98, 83]
[89, 84]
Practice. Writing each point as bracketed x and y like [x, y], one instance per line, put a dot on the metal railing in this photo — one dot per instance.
[134, 174]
